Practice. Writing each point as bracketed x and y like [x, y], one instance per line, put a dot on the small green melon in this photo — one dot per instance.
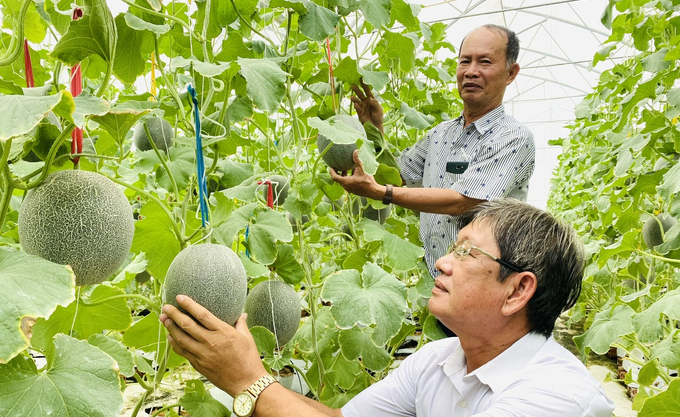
[280, 186]
[340, 157]
[161, 132]
[78, 218]
[276, 306]
[213, 276]
[369, 212]
[651, 233]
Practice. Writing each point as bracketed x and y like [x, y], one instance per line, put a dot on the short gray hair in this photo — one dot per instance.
[538, 242]
[511, 48]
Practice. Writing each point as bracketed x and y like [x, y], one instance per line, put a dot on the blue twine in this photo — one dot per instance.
[247, 233]
[200, 163]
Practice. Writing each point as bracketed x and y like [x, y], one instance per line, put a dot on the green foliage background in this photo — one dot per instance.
[264, 90]
[618, 170]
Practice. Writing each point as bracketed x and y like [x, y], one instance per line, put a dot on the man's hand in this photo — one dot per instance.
[367, 107]
[359, 183]
[226, 355]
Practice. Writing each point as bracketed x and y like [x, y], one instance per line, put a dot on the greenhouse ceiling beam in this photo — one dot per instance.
[536, 77]
[569, 22]
[512, 9]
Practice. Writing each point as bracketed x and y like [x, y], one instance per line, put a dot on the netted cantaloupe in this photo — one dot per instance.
[81, 219]
[213, 276]
[161, 132]
[651, 233]
[280, 186]
[276, 306]
[340, 155]
[370, 212]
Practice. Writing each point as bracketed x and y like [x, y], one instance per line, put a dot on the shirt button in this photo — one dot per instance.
[462, 404]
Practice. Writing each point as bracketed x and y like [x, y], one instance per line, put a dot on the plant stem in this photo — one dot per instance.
[140, 297]
[677, 261]
[168, 85]
[304, 376]
[107, 78]
[153, 198]
[51, 155]
[8, 188]
[249, 26]
[167, 407]
[152, 142]
[13, 54]
[164, 16]
[315, 348]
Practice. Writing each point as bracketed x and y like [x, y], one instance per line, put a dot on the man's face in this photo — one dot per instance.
[467, 294]
[482, 72]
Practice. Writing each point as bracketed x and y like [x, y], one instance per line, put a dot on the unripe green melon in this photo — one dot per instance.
[337, 204]
[78, 218]
[213, 276]
[276, 306]
[340, 157]
[651, 233]
[280, 186]
[161, 132]
[293, 222]
[369, 212]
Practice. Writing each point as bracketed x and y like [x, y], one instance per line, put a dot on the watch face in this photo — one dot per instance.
[243, 404]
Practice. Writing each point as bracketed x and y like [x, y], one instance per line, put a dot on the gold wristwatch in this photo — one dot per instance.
[244, 403]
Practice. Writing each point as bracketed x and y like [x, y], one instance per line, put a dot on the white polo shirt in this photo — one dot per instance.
[534, 377]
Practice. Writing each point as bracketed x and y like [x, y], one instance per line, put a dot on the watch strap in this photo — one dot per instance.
[387, 199]
[256, 389]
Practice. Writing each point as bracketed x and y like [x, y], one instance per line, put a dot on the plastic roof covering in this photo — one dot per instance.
[557, 42]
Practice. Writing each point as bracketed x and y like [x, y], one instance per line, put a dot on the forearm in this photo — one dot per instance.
[277, 401]
[432, 200]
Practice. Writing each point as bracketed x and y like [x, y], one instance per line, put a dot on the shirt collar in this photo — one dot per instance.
[502, 370]
[486, 122]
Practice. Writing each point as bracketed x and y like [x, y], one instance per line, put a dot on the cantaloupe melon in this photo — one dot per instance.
[280, 186]
[651, 233]
[340, 156]
[276, 306]
[81, 219]
[369, 212]
[161, 132]
[213, 276]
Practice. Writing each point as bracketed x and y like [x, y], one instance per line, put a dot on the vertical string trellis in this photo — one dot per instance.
[200, 163]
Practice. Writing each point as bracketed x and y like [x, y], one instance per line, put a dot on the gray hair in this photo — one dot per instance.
[538, 242]
[511, 48]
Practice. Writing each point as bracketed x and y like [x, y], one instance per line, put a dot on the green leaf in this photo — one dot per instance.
[49, 286]
[19, 114]
[606, 17]
[650, 372]
[87, 105]
[137, 23]
[117, 351]
[206, 69]
[357, 260]
[287, 267]
[266, 344]
[118, 123]
[266, 82]
[405, 13]
[376, 12]
[130, 61]
[268, 228]
[357, 344]
[237, 221]
[414, 118]
[318, 22]
[93, 34]
[149, 335]
[371, 298]
[649, 324]
[199, 403]
[665, 404]
[669, 186]
[401, 254]
[297, 5]
[668, 351]
[607, 327]
[655, 62]
[346, 71]
[336, 132]
[399, 47]
[154, 236]
[84, 319]
[628, 243]
[376, 79]
[80, 380]
[432, 329]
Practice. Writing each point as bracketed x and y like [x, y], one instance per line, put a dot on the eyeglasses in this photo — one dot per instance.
[462, 249]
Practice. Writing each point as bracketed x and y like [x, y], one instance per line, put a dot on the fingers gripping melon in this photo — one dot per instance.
[78, 218]
[276, 306]
[161, 134]
[213, 276]
[340, 156]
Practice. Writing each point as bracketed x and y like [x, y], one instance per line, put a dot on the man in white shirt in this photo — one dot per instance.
[512, 271]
